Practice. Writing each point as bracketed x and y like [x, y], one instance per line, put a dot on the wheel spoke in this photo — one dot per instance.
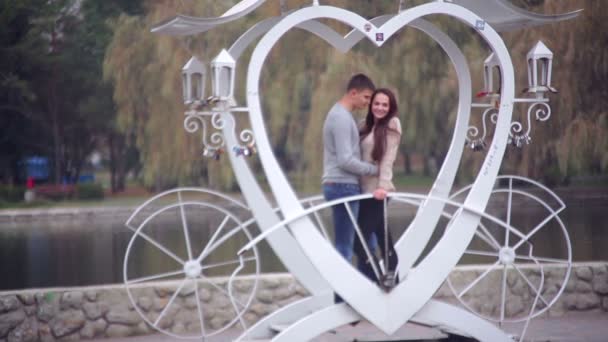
[509, 203]
[212, 240]
[478, 279]
[503, 294]
[154, 277]
[536, 291]
[170, 301]
[548, 260]
[226, 263]
[536, 229]
[184, 225]
[161, 247]
[200, 308]
[488, 235]
[482, 253]
[224, 238]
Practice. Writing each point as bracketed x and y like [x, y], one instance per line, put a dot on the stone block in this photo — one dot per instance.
[187, 316]
[10, 320]
[142, 329]
[9, 303]
[30, 310]
[221, 301]
[188, 289]
[600, 283]
[301, 290]
[600, 269]
[584, 273]
[122, 316]
[265, 296]
[583, 287]
[243, 286]
[25, 332]
[94, 328]
[569, 301]
[144, 303]
[45, 334]
[91, 296]
[204, 294]
[587, 301]
[571, 284]
[270, 283]
[218, 322]
[119, 330]
[260, 309]
[27, 299]
[514, 306]
[71, 337]
[95, 310]
[164, 291]
[190, 303]
[179, 328]
[67, 322]
[72, 299]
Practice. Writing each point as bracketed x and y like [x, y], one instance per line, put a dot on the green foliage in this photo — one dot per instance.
[10, 193]
[89, 191]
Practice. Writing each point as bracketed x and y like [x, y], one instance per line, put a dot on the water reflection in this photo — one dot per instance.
[92, 253]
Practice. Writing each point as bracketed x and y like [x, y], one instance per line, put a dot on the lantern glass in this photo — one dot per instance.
[223, 78]
[544, 74]
[531, 73]
[225, 81]
[197, 86]
[185, 88]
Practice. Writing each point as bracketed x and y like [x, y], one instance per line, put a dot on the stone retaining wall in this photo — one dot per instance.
[85, 313]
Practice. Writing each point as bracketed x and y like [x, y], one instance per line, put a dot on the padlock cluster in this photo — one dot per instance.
[476, 145]
[214, 153]
[247, 151]
[519, 140]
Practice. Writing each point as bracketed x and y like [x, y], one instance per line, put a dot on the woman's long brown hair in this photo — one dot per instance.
[380, 127]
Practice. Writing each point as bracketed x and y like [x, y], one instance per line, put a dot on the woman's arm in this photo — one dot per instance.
[393, 138]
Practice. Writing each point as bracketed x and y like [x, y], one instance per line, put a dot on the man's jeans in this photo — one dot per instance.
[343, 225]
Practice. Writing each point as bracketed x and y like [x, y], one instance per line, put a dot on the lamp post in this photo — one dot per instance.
[193, 81]
[223, 67]
[540, 65]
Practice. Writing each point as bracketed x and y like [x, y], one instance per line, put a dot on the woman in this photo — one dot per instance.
[379, 135]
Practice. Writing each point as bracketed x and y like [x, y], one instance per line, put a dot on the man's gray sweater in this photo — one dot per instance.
[341, 152]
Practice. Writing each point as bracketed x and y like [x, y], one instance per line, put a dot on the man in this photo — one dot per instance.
[342, 165]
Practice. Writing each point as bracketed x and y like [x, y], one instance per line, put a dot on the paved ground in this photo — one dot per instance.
[582, 327]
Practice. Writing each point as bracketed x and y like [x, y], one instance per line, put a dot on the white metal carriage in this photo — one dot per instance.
[296, 229]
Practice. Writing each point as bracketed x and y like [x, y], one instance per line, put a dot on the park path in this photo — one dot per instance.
[573, 327]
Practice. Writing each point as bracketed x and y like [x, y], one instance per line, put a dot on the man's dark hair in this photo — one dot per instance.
[360, 82]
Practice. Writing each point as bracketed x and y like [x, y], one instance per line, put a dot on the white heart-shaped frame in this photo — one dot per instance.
[388, 311]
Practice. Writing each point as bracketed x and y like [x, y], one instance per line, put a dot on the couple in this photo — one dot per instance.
[359, 159]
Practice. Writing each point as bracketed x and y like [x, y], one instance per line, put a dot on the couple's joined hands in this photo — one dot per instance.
[380, 194]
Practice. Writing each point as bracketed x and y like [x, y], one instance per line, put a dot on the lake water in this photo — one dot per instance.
[93, 253]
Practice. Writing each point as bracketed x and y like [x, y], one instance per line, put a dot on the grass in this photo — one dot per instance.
[136, 196]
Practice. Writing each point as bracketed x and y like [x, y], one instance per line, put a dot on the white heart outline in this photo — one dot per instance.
[380, 308]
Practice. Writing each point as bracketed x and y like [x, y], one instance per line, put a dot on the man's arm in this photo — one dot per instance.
[345, 154]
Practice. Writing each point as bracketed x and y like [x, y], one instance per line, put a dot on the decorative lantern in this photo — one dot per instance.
[540, 63]
[193, 81]
[489, 65]
[223, 67]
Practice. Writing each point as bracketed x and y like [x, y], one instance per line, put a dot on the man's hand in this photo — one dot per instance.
[380, 194]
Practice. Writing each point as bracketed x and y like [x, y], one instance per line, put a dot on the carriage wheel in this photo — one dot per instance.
[177, 272]
[524, 269]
